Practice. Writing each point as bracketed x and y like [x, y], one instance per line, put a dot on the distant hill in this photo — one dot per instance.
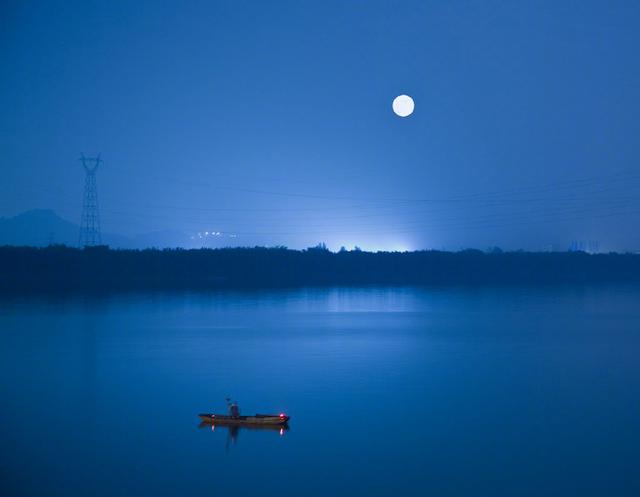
[43, 227]
[37, 228]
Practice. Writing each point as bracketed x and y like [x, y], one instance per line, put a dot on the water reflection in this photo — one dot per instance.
[233, 431]
[499, 372]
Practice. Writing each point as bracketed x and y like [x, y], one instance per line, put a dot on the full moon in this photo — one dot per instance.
[403, 105]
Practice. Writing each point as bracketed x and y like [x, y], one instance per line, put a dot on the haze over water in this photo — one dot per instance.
[391, 392]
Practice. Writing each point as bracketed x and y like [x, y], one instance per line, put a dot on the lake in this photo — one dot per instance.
[392, 391]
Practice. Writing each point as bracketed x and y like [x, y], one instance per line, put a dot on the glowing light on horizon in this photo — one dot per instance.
[380, 246]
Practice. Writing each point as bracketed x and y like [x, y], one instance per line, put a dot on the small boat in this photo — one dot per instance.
[255, 420]
[209, 425]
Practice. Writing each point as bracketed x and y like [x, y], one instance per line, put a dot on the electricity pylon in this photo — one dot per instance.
[90, 222]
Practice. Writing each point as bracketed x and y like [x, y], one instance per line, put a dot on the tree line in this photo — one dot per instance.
[61, 268]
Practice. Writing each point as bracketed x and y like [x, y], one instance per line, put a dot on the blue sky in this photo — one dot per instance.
[273, 121]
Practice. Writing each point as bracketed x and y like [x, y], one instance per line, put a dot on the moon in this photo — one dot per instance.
[403, 105]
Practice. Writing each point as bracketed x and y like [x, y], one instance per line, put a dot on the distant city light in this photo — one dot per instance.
[204, 234]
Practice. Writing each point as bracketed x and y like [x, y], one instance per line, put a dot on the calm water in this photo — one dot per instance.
[391, 392]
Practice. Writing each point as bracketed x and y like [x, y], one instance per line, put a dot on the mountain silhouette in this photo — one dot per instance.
[38, 228]
[43, 227]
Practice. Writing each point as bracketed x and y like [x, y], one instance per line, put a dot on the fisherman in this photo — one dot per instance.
[234, 410]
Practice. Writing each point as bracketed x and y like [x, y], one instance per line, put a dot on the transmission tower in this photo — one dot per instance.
[90, 222]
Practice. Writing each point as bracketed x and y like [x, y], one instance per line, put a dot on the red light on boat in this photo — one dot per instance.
[282, 415]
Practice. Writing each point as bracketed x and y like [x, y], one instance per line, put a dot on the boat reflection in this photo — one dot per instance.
[234, 431]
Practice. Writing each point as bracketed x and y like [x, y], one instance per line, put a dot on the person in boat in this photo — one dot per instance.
[234, 410]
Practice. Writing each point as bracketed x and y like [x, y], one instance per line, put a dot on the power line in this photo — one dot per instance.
[560, 185]
[495, 220]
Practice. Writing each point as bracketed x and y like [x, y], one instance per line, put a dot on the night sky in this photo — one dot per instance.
[272, 121]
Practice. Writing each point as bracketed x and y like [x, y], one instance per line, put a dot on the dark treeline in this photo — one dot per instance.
[59, 268]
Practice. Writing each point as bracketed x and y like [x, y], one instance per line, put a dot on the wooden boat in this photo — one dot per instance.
[255, 420]
[209, 425]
